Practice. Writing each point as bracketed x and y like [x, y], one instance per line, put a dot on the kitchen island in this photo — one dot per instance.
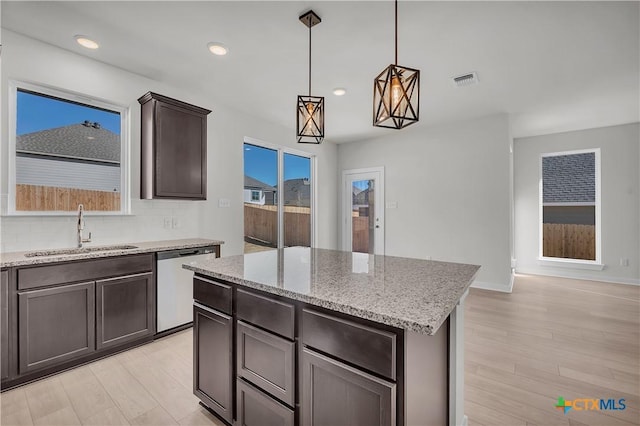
[323, 337]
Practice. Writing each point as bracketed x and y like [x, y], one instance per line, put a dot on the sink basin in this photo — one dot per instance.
[58, 252]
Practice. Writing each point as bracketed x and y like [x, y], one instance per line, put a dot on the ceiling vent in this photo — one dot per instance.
[468, 79]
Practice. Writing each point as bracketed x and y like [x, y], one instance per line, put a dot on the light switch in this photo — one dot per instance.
[392, 205]
[224, 202]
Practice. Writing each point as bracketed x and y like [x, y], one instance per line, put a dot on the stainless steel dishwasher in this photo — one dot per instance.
[175, 286]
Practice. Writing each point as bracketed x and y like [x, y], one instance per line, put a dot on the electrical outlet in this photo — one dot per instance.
[167, 223]
[175, 222]
[624, 261]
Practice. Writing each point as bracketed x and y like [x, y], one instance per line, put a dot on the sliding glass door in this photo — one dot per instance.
[278, 197]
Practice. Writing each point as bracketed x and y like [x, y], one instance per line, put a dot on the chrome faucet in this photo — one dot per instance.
[81, 227]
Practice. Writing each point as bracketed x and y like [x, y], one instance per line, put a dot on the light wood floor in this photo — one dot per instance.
[551, 337]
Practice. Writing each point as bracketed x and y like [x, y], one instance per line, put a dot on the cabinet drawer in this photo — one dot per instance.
[257, 409]
[267, 361]
[366, 347]
[265, 312]
[94, 269]
[213, 294]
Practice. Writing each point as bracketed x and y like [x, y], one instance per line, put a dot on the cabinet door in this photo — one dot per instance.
[257, 409]
[181, 153]
[55, 325]
[212, 363]
[4, 324]
[125, 309]
[334, 394]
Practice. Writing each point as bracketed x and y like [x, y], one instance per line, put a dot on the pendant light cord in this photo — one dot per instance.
[309, 55]
[396, 34]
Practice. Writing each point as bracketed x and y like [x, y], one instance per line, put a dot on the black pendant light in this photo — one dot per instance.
[396, 93]
[310, 115]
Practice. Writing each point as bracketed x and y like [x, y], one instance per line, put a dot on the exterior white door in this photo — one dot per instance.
[363, 210]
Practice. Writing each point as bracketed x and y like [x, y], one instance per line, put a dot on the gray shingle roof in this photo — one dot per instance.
[73, 141]
[253, 183]
[569, 178]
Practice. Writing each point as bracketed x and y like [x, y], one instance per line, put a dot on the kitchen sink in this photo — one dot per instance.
[58, 252]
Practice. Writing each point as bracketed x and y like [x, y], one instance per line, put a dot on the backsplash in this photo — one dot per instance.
[150, 221]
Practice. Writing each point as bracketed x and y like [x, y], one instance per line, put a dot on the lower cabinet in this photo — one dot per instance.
[268, 361]
[125, 308]
[257, 409]
[335, 394]
[212, 363]
[67, 313]
[4, 324]
[55, 325]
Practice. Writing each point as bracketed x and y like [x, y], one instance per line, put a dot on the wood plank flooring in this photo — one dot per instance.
[551, 337]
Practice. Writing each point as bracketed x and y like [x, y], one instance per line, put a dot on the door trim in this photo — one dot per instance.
[346, 201]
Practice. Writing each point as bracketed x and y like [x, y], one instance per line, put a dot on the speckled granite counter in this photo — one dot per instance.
[18, 258]
[411, 294]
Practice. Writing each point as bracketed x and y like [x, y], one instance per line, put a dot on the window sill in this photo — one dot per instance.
[571, 263]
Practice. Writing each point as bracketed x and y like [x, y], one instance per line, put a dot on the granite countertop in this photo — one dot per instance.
[411, 294]
[18, 258]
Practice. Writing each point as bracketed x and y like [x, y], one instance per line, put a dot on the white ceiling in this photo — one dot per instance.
[554, 66]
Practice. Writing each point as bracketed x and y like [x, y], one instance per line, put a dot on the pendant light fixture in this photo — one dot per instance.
[396, 93]
[310, 115]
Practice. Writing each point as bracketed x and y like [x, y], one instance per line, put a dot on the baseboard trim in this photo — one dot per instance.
[494, 286]
[602, 278]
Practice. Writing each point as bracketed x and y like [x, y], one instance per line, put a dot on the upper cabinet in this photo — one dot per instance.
[174, 149]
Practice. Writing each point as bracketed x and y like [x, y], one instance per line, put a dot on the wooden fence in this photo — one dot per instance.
[360, 234]
[49, 198]
[569, 241]
[260, 224]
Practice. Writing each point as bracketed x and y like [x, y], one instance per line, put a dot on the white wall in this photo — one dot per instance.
[452, 188]
[30, 60]
[620, 184]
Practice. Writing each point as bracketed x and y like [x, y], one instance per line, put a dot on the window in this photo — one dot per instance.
[255, 195]
[283, 214]
[570, 206]
[65, 150]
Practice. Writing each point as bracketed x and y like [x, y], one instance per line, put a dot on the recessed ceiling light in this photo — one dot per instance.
[217, 48]
[339, 91]
[85, 41]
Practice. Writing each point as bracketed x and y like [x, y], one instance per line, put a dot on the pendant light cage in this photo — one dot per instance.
[310, 119]
[396, 97]
[396, 93]
[310, 109]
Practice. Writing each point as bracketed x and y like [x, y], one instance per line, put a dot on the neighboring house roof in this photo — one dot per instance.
[297, 192]
[74, 141]
[355, 190]
[569, 178]
[252, 183]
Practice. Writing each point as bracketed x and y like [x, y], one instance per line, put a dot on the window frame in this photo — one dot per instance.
[281, 151]
[68, 95]
[255, 195]
[567, 262]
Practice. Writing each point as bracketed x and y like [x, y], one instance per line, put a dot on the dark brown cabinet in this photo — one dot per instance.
[257, 409]
[174, 149]
[55, 325]
[335, 394]
[4, 324]
[212, 363]
[67, 313]
[124, 309]
[267, 361]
